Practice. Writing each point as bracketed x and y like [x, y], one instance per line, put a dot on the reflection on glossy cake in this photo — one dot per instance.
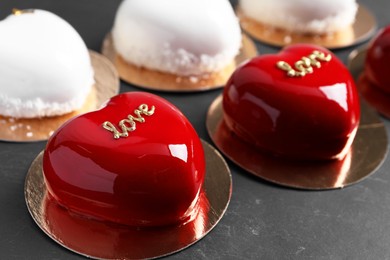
[137, 161]
[299, 104]
[45, 68]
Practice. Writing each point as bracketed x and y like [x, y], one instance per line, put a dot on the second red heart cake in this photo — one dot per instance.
[301, 103]
[137, 161]
[376, 63]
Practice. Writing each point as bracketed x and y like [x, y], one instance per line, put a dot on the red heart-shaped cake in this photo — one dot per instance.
[137, 161]
[377, 60]
[301, 103]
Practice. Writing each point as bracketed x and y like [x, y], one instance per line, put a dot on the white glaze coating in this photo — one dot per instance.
[45, 68]
[304, 16]
[182, 37]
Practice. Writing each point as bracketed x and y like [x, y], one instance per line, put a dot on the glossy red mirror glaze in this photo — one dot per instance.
[304, 117]
[377, 60]
[152, 177]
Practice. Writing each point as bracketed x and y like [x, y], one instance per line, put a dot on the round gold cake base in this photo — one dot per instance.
[363, 28]
[374, 96]
[156, 80]
[367, 153]
[40, 129]
[104, 240]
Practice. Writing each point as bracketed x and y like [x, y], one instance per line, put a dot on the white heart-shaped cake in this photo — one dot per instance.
[181, 37]
[302, 16]
[45, 68]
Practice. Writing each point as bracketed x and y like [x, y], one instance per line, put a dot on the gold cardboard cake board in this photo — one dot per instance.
[40, 129]
[362, 29]
[367, 153]
[155, 80]
[375, 97]
[102, 240]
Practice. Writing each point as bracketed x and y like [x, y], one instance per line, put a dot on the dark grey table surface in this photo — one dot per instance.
[263, 220]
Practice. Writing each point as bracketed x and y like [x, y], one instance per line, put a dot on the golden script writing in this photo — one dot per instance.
[16, 11]
[305, 65]
[129, 124]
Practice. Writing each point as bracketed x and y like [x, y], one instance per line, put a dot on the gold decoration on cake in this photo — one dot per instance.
[305, 65]
[129, 124]
[16, 11]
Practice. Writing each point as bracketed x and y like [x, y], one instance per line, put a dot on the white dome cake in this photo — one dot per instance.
[302, 16]
[45, 68]
[180, 37]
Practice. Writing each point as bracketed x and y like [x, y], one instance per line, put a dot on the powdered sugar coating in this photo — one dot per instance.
[45, 68]
[302, 16]
[182, 37]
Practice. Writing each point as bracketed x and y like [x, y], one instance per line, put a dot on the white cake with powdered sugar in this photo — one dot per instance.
[45, 68]
[181, 37]
[302, 16]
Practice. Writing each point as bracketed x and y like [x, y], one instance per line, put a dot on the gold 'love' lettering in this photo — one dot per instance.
[16, 11]
[129, 124]
[305, 65]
